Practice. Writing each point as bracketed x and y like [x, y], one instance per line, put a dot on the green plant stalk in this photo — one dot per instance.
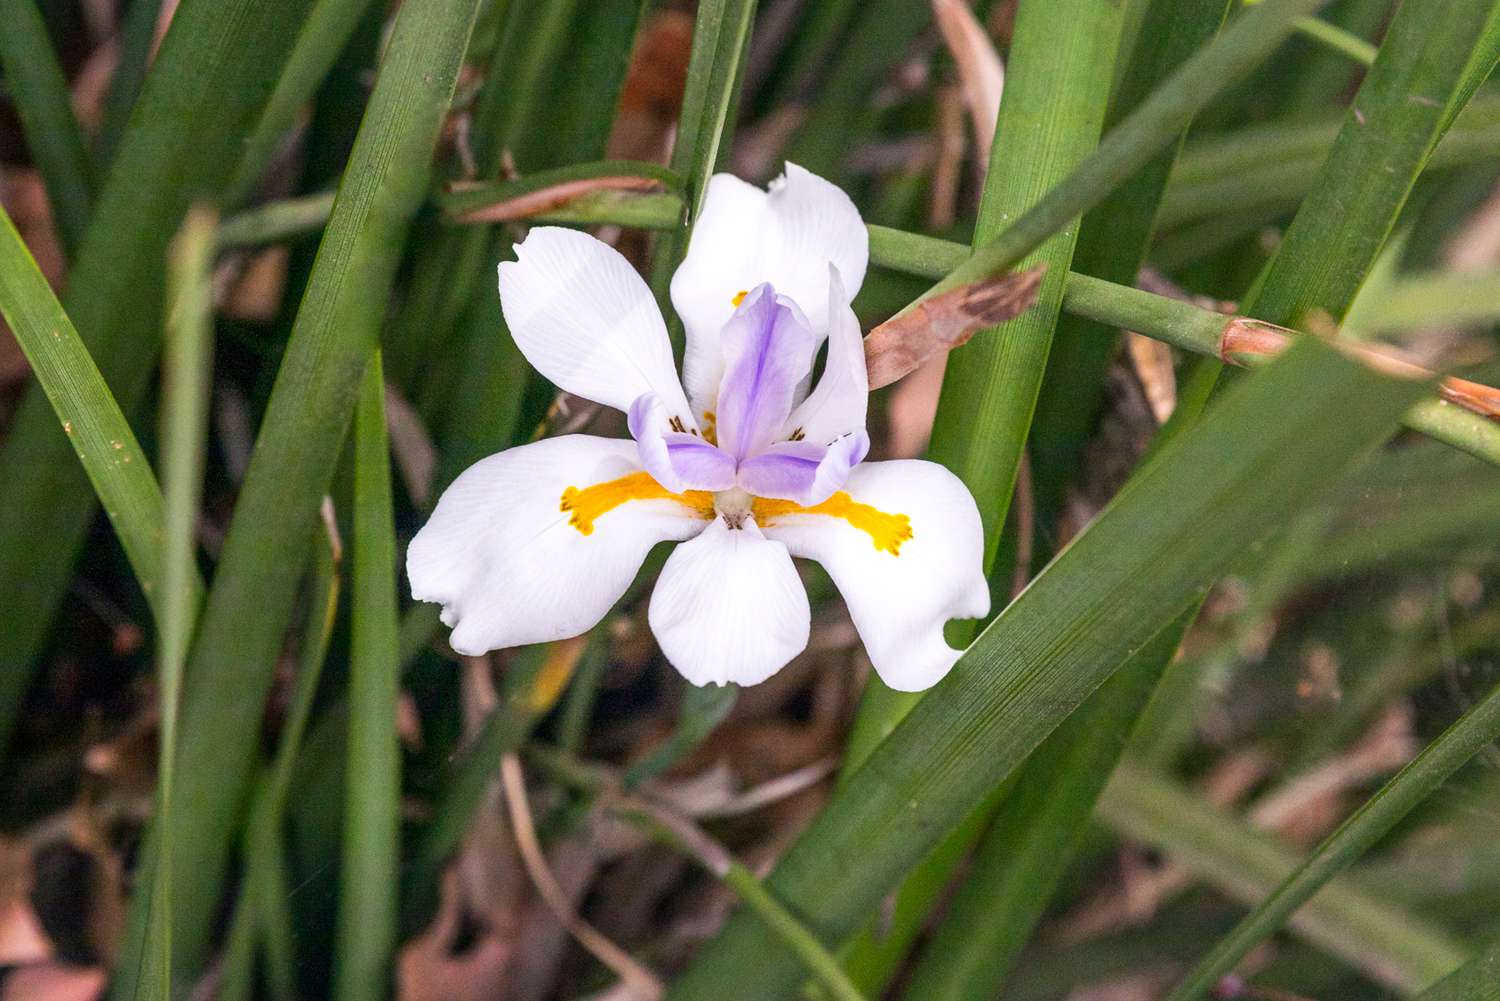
[721, 34]
[1154, 124]
[1420, 81]
[1204, 497]
[1476, 980]
[1397, 949]
[206, 87]
[187, 378]
[39, 93]
[1474, 731]
[1336, 39]
[327, 30]
[1183, 325]
[233, 659]
[1392, 127]
[1057, 93]
[368, 874]
[93, 425]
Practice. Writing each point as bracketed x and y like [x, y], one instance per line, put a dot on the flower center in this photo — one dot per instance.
[734, 506]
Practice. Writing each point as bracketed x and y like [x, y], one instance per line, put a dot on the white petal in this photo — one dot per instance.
[584, 319]
[502, 558]
[744, 236]
[837, 405]
[900, 602]
[729, 607]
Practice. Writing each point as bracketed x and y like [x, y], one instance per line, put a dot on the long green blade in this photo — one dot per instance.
[92, 423]
[40, 94]
[1205, 496]
[206, 87]
[369, 875]
[1474, 731]
[231, 665]
[1394, 947]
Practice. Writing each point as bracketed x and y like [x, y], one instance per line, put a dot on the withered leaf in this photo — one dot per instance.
[945, 321]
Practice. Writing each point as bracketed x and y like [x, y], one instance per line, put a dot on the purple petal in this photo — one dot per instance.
[803, 471]
[677, 460]
[768, 350]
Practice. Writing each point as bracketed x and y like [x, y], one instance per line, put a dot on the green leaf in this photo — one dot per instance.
[1056, 95]
[1474, 731]
[1395, 121]
[41, 99]
[92, 423]
[327, 30]
[1157, 122]
[1394, 947]
[1201, 500]
[1476, 980]
[368, 875]
[187, 380]
[207, 84]
[263, 555]
[721, 35]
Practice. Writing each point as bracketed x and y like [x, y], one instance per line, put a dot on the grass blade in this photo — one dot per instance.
[91, 420]
[206, 86]
[137, 39]
[187, 372]
[232, 661]
[1056, 96]
[1476, 980]
[1395, 121]
[721, 34]
[1396, 948]
[1152, 126]
[1474, 731]
[1204, 496]
[39, 92]
[372, 786]
[328, 28]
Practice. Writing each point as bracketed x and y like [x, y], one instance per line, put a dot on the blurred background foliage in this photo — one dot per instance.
[1236, 737]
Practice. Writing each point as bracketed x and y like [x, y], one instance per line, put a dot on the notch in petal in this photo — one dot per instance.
[729, 607]
[899, 595]
[585, 319]
[511, 567]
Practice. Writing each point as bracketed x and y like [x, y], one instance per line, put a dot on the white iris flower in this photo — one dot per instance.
[738, 460]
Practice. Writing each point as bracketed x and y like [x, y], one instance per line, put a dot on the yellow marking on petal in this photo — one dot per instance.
[739, 297]
[887, 531]
[588, 505]
[710, 427]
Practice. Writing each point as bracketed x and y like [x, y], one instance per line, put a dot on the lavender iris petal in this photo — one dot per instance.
[803, 471]
[768, 351]
[676, 459]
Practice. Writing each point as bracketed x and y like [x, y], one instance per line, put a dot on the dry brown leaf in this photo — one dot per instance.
[431, 968]
[1152, 363]
[979, 67]
[937, 325]
[555, 196]
[54, 982]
